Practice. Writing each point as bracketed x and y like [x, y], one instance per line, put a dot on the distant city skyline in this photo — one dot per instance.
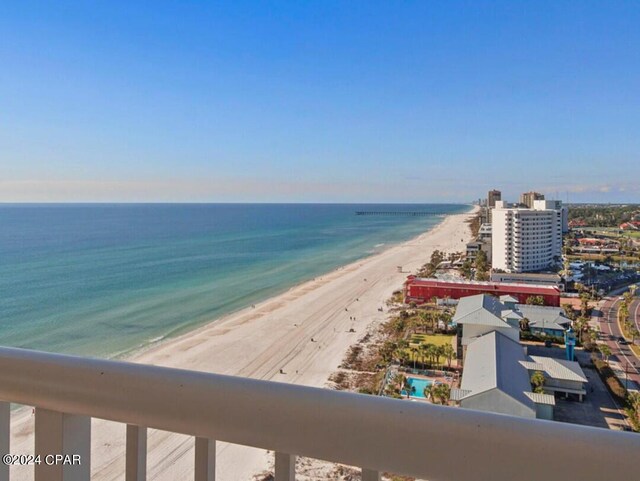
[319, 102]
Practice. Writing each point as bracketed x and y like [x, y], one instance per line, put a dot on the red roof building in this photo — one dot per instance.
[632, 225]
[422, 290]
[591, 241]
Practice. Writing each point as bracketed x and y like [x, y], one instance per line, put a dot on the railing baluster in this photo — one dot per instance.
[136, 457]
[205, 460]
[5, 436]
[370, 475]
[285, 467]
[64, 434]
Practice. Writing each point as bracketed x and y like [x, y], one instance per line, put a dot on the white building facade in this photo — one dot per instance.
[527, 239]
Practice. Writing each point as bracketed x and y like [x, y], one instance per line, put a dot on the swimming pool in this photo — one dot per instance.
[417, 386]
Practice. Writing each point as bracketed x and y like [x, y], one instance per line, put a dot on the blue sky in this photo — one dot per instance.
[318, 101]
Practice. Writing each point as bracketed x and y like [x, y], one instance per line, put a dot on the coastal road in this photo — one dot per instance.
[621, 354]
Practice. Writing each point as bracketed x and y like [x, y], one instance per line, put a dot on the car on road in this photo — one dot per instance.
[622, 341]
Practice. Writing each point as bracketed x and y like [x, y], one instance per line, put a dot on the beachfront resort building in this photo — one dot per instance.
[527, 198]
[420, 290]
[492, 197]
[544, 320]
[527, 239]
[497, 370]
[536, 278]
[494, 379]
[560, 376]
[481, 314]
[481, 243]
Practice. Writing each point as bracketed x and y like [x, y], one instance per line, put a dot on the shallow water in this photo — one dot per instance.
[106, 279]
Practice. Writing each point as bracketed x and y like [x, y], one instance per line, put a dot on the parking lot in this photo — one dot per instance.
[598, 408]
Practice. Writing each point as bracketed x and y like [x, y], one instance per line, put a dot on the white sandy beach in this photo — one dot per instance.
[257, 343]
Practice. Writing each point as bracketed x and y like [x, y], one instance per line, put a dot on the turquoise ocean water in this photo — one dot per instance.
[105, 279]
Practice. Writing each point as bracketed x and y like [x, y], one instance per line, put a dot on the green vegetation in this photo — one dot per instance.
[603, 258]
[474, 225]
[466, 270]
[611, 381]
[629, 400]
[605, 351]
[426, 351]
[530, 336]
[604, 215]
[394, 387]
[627, 325]
[535, 300]
[482, 266]
[537, 381]
[410, 337]
[438, 393]
[430, 268]
[633, 409]
[438, 339]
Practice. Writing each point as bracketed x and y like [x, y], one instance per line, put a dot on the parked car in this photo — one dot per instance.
[622, 341]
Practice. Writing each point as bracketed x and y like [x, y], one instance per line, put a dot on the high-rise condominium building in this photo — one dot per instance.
[492, 197]
[527, 198]
[527, 239]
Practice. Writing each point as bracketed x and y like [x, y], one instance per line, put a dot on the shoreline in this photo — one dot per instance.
[132, 353]
[299, 336]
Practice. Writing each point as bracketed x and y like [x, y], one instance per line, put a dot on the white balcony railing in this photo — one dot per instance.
[378, 434]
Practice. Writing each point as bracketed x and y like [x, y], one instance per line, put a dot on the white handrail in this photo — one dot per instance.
[380, 434]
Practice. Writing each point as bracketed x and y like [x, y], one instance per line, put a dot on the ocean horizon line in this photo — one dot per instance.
[35, 203]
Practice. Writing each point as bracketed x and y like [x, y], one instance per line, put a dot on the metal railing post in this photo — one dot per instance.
[205, 460]
[65, 435]
[285, 469]
[5, 436]
[136, 453]
[370, 475]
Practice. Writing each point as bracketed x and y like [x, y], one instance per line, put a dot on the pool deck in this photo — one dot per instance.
[433, 379]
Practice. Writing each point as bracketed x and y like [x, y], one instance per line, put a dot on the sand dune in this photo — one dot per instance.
[259, 342]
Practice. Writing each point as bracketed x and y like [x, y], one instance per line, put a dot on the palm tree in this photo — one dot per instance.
[568, 311]
[606, 352]
[537, 380]
[633, 332]
[402, 355]
[584, 304]
[413, 349]
[432, 352]
[448, 351]
[424, 320]
[429, 392]
[406, 387]
[445, 317]
[634, 402]
[420, 352]
[443, 393]
[524, 324]
[439, 353]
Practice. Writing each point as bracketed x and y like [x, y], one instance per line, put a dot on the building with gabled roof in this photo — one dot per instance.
[495, 380]
[561, 376]
[546, 320]
[481, 314]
